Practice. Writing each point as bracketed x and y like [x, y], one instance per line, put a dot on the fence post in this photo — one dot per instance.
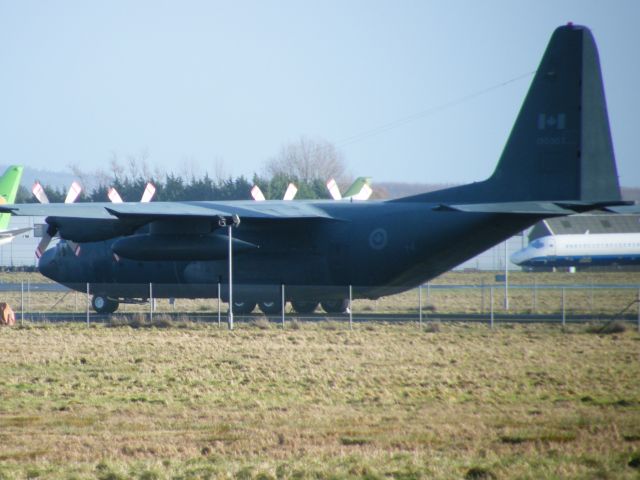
[219, 314]
[88, 303]
[639, 310]
[420, 304]
[506, 276]
[22, 303]
[563, 310]
[350, 308]
[28, 296]
[150, 302]
[491, 307]
[535, 295]
[283, 302]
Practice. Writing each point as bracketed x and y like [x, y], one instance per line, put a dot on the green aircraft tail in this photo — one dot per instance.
[560, 146]
[356, 186]
[9, 183]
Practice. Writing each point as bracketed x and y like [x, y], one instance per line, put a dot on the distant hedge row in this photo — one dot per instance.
[174, 188]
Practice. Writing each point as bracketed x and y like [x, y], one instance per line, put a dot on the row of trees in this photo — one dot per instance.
[307, 163]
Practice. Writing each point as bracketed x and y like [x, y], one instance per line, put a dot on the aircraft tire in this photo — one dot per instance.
[270, 307]
[243, 306]
[335, 306]
[304, 306]
[103, 304]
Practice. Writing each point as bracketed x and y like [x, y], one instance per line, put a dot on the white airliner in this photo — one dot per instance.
[598, 249]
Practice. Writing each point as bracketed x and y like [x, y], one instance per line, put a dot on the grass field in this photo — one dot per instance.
[319, 401]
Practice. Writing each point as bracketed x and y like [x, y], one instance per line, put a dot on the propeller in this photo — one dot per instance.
[364, 193]
[39, 193]
[72, 195]
[147, 195]
[48, 234]
[257, 194]
[291, 192]
[114, 196]
[149, 192]
[332, 186]
[359, 189]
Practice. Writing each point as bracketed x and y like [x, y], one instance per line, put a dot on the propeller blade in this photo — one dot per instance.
[114, 196]
[74, 247]
[73, 193]
[39, 193]
[47, 235]
[364, 193]
[44, 243]
[291, 192]
[257, 194]
[149, 192]
[332, 186]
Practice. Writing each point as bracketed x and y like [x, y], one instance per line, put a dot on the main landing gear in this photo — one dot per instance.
[104, 304]
[274, 307]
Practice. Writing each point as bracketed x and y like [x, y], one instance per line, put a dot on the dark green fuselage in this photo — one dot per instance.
[377, 247]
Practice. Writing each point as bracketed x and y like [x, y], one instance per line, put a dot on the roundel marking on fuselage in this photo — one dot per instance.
[378, 239]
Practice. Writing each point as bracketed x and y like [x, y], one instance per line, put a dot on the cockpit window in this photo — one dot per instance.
[537, 244]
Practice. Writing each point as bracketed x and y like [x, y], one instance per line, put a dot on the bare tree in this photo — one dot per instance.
[219, 170]
[308, 160]
[139, 166]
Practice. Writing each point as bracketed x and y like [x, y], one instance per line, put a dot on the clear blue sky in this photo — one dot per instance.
[194, 81]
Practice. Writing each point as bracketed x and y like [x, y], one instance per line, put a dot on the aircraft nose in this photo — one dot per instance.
[519, 256]
[48, 264]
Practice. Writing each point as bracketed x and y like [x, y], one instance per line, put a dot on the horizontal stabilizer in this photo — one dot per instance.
[633, 208]
[531, 208]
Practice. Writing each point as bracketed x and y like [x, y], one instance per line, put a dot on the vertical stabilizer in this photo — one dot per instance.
[560, 146]
[9, 183]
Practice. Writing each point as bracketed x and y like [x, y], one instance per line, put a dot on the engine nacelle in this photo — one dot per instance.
[178, 247]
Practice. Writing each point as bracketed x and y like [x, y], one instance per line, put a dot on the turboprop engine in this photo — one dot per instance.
[178, 247]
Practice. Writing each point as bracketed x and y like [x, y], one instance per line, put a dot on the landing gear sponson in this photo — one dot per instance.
[104, 305]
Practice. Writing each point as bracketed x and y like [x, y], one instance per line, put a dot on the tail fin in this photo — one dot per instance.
[560, 146]
[9, 183]
[360, 189]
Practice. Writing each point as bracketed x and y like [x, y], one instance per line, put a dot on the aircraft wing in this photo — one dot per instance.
[63, 210]
[155, 210]
[559, 208]
[245, 210]
[90, 222]
[14, 232]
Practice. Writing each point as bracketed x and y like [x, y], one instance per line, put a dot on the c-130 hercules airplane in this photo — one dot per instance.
[558, 160]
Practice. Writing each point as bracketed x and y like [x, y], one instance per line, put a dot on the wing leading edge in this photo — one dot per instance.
[90, 222]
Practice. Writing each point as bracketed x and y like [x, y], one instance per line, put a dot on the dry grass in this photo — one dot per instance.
[315, 402]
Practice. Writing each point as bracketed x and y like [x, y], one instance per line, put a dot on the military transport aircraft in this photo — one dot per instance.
[558, 160]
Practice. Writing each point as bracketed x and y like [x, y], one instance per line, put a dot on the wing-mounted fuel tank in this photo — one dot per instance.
[177, 247]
